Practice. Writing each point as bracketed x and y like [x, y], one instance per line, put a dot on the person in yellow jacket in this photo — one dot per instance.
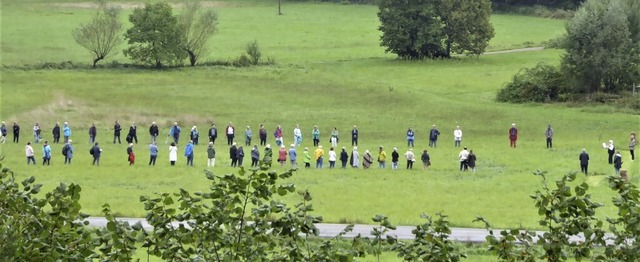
[317, 155]
[382, 158]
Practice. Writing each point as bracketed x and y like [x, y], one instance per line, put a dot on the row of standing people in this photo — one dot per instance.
[194, 135]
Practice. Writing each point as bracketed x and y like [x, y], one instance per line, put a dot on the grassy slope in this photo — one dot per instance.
[331, 72]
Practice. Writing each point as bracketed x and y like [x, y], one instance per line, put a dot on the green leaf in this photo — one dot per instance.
[168, 200]
[137, 226]
[111, 226]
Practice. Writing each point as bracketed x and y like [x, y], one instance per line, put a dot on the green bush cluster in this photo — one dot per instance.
[542, 83]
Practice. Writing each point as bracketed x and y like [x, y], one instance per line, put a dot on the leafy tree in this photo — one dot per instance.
[417, 29]
[467, 28]
[411, 29]
[155, 37]
[102, 35]
[197, 25]
[600, 53]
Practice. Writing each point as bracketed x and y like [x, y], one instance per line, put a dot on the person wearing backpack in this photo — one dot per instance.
[67, 151]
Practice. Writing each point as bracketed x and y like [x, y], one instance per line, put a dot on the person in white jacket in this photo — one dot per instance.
[332, 158]
[29, 152]
[463, 156]
[457, 137]
[297, 135]
[611, 149]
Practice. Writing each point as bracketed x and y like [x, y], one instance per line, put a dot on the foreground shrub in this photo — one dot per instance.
[541, 83]
[238, 219]
[53, 228]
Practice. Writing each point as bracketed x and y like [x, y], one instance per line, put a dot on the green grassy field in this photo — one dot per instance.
[331, 72]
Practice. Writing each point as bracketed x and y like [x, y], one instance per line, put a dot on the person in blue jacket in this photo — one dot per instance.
[188, 152]
[410, 137]
[66, 131]
[174, 132]
[46, 154]
[68, 152]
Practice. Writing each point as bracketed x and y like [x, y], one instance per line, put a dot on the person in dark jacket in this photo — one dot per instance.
[344, 157]
[195, 135]
[133, 132]
[56, 133]
[617, 162]
[584, 161]
[433, 136]
[471, 161]
[426, 160]
[16, 132]
[154, 131]
[549, 134]
[96, 152]
[116, 132]
[239, 155]
[354, 136]
[93, 132]
[213, 134]
[263, 135]
[255, 156]
[233, 154]
[395, 157]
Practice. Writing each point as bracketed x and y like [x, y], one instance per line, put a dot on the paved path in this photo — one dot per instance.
[332, 230]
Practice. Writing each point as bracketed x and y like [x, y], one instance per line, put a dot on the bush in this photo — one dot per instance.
[542, 83]
[253, 51]
[242, 61]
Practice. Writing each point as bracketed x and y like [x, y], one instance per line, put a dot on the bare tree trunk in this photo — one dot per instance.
[192, 58]
[279, 5]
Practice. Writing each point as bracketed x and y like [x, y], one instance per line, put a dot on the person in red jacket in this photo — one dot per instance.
[513, 135]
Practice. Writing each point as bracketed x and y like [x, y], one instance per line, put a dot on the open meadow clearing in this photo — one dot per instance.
[330, 72]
